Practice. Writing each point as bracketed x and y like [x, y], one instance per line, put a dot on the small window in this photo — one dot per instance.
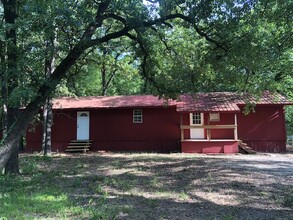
[137, 116]
[196, 118]
[214, 116]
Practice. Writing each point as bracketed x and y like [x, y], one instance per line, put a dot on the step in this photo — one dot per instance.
[246, 148]
[78, 146]
[71, 147]
[79, 143]
[83, 141]
[76, 150]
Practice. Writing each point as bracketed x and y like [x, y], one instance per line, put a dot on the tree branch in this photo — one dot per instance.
[98, 20]
[150, 23]
[116, 17]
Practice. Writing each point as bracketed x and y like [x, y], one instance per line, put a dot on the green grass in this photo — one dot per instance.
[25, 198]
[39, 193]
[284, 198]
[130, 186]
[63, 188]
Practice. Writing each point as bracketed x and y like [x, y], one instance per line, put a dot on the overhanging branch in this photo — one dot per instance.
[150, 23]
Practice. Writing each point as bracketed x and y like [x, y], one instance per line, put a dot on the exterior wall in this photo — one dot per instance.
[63, 131]
[225, 119]
[209, 147]
[113, 130]
[33, 138]
[264, 130]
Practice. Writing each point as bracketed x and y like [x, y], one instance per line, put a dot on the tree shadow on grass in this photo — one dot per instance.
[161, 187]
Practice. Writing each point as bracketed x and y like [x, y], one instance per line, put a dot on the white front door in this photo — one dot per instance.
[196, 119]
[83, 125]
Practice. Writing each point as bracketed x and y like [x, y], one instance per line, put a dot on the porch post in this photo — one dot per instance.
[236, 127]
[181, 128]
[209, 136]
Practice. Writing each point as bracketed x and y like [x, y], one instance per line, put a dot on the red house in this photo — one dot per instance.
[201, 123]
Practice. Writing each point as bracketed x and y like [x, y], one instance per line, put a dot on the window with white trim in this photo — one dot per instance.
[137, 116]
[196, 118]
[214, 116]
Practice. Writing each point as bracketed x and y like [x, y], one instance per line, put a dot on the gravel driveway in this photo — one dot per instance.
[189, 186]
[175, 186]
[244, 187]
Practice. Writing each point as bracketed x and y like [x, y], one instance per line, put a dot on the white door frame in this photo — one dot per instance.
[196, 133]
[83, 125]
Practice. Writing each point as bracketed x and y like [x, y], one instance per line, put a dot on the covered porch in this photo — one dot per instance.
[223, 142]
[208, 124]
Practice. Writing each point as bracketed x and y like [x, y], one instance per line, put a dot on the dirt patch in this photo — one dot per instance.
[179, 186]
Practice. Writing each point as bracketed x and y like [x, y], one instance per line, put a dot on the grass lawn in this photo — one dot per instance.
[149, 186]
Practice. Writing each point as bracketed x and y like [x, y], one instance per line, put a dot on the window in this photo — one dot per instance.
[137, 116]
[214, 116]
[196, 118]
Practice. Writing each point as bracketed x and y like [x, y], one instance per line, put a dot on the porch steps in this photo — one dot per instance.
[78, 146]
[245, 149]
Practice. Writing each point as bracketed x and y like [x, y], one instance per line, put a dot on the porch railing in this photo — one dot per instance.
[208, 128]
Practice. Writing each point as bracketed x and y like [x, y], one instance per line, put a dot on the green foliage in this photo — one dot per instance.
[121, 76]
[163, 48]
[228, 45]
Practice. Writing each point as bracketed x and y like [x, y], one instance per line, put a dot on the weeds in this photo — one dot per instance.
[183, 195]
[288, 200]
[83, 188]
[284, 198]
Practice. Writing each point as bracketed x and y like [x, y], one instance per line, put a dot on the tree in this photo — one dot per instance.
[10, 111]
[50, 54]
[232, 34]
[108, 70]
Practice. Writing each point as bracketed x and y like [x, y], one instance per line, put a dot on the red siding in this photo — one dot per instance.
[34, 138]
[225, 119]
[113, 130]
[263, 130]
[209, 146]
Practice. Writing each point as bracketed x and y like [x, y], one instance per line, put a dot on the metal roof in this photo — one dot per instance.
[226, 101]
[199, 102]
[88, 102]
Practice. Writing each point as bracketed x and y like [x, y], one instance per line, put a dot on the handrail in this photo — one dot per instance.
[208, 126]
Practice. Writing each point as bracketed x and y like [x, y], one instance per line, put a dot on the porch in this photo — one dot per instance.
[208, 143]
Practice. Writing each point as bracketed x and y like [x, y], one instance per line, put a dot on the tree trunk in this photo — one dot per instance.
[105, 82]
[45, 119]
[3, 80]
[103, 74]
[10, 142]
[9, 83]
[49, 130]
[47, 124]
[12, 166]
[47, 108]
[18, 129]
